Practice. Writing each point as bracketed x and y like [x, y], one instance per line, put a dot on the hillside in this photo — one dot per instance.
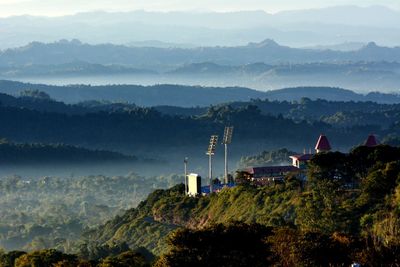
[133, 130]
[35, 118]
[324, 205]
[166, 210]
[309, 103]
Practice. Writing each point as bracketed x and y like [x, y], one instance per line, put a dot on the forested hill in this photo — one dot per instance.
[12, 153]
[349, 198]
[164, 94]
[187, 96]
[135, 129]
[35, 118]
[335, 113]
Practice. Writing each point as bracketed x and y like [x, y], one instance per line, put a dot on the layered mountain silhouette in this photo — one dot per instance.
[267, 51]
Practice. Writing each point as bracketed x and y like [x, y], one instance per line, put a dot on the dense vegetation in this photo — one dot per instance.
[126, 130]
[35, 118]
[53, 212]
[51, 257]
[350, 203]
[339, 114]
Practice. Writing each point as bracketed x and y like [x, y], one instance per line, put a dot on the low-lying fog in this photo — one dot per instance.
[164, 162]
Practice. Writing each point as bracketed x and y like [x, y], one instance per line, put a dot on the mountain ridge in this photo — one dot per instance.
[267, 51]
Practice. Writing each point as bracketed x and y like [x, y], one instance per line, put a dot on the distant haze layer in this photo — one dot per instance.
[341, 24]
[63, 7]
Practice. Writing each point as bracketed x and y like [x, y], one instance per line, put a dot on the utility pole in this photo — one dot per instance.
[185, 162]
[227, 140]
[210, 153]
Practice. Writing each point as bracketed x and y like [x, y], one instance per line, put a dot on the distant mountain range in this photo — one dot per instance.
[296, 28]
[77, 68]
[268, 51]
[345, 47]
[172, 95]
[359, 76]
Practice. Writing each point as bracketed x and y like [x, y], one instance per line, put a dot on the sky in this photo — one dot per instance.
[65, 7]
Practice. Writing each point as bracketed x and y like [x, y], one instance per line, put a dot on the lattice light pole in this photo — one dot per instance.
[227, 140]
[210, 153]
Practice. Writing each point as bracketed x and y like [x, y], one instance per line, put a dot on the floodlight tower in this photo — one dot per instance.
[185, 163]
[210, 153]
[227, 140]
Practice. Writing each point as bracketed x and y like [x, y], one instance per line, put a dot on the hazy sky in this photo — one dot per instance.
[62, 7]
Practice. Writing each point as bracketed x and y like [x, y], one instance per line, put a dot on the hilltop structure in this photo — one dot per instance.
[266, 175]
[322, 144]
[371, 141]
[194, 184]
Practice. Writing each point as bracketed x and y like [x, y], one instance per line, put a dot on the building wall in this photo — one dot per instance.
[194, 184]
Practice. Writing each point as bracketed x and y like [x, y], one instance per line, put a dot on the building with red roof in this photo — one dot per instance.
[322, 144]
[268, 174]
[371, 141]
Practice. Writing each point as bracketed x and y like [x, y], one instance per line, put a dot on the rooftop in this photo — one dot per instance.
[303, 157]
[323, 143]
[371, 141]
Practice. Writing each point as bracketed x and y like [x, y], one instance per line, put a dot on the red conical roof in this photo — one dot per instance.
[371, 141]
[323, 143]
